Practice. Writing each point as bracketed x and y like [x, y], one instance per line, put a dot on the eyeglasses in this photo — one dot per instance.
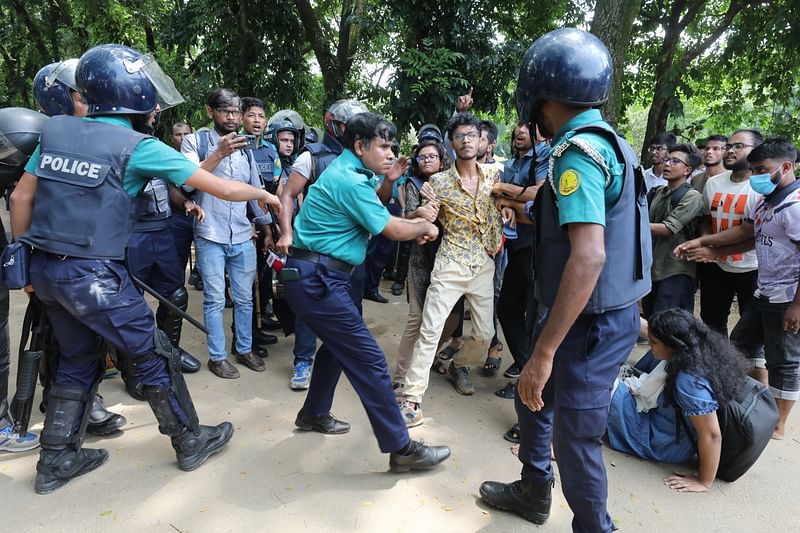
[737, 146]
[229, 112]
[471, 136]
[657, 148]
[674, 161]
[427, 158]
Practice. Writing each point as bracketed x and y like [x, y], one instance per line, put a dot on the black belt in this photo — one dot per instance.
[314, 257]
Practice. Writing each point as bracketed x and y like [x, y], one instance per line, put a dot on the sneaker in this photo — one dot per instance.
[412, 413]
[12, 442]
[460, 378]
[513, 371]
[301, 376]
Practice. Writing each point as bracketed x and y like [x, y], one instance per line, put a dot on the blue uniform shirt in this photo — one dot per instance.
[583, 188]
[151, 158]
[340, 211]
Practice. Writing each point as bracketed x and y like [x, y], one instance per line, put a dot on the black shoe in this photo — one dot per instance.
[326, 424]
[260, 351]
[102, 421]
[389, 275]
[270, 323]
[512, 372]
[397, 288]
[263, 338]
[57, 467]
[375, 297]
[189, 363]
[530, 501]
[194, 277]
[198, 286]
[423, 458]
[193, 450]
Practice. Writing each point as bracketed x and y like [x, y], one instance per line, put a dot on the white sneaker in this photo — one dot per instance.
[412, 413]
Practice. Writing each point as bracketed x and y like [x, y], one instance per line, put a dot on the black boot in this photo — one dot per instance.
[62, 458]
[192, 446]
[101, 420]
[523, 497]
[171, 323]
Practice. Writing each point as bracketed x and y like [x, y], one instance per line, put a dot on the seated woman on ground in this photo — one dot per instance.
[703, 373]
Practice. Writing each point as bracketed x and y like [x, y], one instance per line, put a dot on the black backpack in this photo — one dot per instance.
[746, 425]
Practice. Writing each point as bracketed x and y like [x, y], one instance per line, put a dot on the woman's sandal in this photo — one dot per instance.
[493, 360]
[512, 435]
[508, 392]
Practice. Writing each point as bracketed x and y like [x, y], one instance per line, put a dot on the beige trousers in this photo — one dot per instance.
[449, 281]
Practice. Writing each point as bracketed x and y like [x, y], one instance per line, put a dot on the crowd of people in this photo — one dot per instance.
[564, 246]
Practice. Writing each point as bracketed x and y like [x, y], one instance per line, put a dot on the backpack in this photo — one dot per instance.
[746, 425]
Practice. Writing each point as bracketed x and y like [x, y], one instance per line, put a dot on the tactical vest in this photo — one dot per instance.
[322, 154]
[625, 277]
[81, 207]
[152, 206]
[265, 158]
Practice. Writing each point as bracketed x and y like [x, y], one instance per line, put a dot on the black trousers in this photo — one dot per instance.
[717, 289]
[512, 305]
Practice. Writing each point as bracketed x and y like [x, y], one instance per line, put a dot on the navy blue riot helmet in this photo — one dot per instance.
[52, 85]
[19, 136]
[118, 80]
[287, 120]
[571, 66]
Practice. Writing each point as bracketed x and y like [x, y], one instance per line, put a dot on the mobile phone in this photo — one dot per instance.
[251, 142]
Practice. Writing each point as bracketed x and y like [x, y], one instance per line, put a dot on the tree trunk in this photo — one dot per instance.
[613, 24]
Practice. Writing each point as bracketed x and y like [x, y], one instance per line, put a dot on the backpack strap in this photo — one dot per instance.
[203, 136]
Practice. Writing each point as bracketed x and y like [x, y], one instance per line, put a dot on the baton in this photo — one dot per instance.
[171, 306]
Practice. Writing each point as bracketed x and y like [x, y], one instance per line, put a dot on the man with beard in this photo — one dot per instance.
[713, 151]
[728, 200]
[223, 240]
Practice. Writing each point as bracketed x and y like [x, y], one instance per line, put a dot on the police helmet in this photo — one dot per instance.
[287, 120]
[312, 135]
[19, 136]
[118, 80]
[569, 65]
[430, 131]
[51, 87]
[342, 111]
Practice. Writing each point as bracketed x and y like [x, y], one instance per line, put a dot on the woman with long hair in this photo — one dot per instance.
[703, 373]
[428, 158]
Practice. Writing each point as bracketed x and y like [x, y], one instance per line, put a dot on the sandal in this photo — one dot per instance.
[439, 366]
[508, 392]
[493, 360]
[512, 435]
[448, 352]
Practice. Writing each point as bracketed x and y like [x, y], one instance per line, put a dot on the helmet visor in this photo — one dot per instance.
[168, 95]
[10, 154]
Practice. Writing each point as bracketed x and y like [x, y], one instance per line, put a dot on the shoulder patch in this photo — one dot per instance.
[569, 182]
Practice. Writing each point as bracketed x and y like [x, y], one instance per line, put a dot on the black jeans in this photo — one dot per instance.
[513, 304]
[717, 289]
[674, 292]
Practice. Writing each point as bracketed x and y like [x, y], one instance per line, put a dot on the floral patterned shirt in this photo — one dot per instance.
[473, 227]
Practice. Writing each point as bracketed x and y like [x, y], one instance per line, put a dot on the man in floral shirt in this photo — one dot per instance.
[472, 233]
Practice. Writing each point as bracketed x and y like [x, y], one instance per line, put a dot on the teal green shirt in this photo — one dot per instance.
[583, 188]
[150, 159]
[340, 211]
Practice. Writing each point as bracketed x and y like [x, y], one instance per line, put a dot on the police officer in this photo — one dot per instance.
[592, 266]
[286, 130]
[74, 206]
[19, 136]
[56, 92]
[152, 256]
[309, 165]
[341, 210]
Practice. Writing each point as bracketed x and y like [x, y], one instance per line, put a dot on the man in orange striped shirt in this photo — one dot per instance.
[727, 201]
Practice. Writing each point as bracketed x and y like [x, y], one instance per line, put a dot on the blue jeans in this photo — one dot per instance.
[240, 260]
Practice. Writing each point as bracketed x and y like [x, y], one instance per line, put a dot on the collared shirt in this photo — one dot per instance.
[150, 158]
[226, 222]
[651, 180]
[473, 227]
[340, 211]
[680, 222]
[584, 189]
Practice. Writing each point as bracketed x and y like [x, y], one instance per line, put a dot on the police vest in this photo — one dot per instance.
[81, 207]
[152, 206]
[625, 277]
[322, 154]
[265, 158]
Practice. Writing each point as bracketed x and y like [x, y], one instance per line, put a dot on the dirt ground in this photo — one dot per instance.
[273, 478]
